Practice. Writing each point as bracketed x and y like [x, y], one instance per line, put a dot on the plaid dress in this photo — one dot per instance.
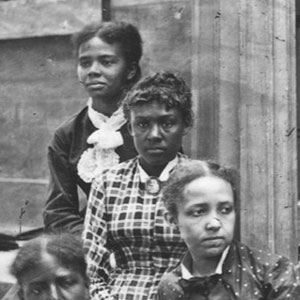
[123, 218]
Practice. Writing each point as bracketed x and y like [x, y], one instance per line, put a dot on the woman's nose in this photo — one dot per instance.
[94, 69]
[214, 223]
[53, 292]
[154, 132]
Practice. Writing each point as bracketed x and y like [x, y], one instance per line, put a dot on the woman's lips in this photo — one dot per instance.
[213, 239]
[95, 84]
[155, 150]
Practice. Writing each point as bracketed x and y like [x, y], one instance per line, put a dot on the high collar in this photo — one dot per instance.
[99, 120]
[164, 176]
[186, 264]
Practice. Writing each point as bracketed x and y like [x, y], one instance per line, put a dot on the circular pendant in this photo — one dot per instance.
[153, 185]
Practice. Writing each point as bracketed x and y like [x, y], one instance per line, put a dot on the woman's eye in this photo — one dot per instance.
[36, 290]
[168, 124]
[67, 283]
[226, 210]
[198, 212]
[107, 63]
[142, 124]
[84, 63]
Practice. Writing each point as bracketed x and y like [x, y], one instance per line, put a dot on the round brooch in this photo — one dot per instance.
[153, 185]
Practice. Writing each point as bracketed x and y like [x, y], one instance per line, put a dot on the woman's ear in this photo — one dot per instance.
[19, 291]
[186, 130]
[171, 219]
[129, 128]
[131, 71]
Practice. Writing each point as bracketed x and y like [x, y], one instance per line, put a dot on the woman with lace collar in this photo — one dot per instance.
[108, 56]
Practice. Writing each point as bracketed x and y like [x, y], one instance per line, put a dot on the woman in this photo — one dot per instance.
[125, 214]
[202, 200]
[108, 57]
[50, 267]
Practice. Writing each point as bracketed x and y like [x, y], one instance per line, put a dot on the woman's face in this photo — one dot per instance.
[206, 217]
[50, 280]
[157, 133]
[102, 69]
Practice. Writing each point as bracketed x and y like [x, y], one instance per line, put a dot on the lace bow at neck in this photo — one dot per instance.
[104, 140]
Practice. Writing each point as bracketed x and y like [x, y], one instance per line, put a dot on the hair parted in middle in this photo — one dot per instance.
[188, 171]
[124, 34]
[164, 87]
[66, 248]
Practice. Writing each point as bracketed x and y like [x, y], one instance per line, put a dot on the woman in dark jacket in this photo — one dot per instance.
[108, 57]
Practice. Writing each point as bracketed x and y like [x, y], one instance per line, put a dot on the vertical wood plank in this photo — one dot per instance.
[268, 126]
[244, 93]
[205, 79]
[106, 10]
[243, 79]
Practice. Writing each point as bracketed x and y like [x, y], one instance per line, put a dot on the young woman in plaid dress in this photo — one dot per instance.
[125, 213]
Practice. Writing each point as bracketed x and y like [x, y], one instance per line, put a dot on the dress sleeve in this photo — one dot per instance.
[61, 212]
[95, 242]
[282, 281]
[169, 288]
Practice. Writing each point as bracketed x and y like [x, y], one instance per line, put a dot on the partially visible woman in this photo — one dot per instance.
[108, 56]
[50, 267]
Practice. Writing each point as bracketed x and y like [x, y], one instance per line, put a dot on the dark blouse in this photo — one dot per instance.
[247, 274]
[62, 210]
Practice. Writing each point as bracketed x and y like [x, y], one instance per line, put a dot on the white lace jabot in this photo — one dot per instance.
[105, 140]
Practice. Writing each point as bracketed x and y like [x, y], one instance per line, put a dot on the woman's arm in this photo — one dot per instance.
[94, 243]
[61, 211]
[282, 281]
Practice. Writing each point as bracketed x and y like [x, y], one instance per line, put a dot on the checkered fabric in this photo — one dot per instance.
[122, 218]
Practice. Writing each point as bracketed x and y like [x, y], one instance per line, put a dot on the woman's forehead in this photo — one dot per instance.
[209, 187]
[99, 46]
[48, 268]
[146, 108]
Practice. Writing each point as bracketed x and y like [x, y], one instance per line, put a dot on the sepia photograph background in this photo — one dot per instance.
[240, 58]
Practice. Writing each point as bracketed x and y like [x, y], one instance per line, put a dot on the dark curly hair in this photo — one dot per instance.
[122, 33]
[165, 87]
[188, 171]
[66, 248]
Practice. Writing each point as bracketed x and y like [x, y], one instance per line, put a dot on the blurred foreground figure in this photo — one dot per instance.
[50, 267]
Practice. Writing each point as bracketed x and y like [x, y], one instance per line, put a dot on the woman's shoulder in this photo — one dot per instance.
[73, 121]
[124, 168]
[259, 259]
[78, 125]
[122, 172]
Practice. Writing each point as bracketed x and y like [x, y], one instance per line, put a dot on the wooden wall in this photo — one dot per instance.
[29, 18]
[239, 57]
[39, 89]
[249, 48]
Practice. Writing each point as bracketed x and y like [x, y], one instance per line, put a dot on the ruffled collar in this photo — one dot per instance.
[105, 140]
[99, 120]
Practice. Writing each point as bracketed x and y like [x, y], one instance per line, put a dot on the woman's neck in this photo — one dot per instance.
[205, 267]
[152, 170]
[106, 106]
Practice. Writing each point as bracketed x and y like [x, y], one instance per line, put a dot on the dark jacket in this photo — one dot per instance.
[62, 210]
